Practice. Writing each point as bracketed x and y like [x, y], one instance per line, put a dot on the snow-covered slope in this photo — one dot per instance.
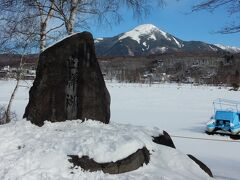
[145, 29]
[230, 49]
[147, 39]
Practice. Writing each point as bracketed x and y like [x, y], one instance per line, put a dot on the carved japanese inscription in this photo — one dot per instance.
[71, 88]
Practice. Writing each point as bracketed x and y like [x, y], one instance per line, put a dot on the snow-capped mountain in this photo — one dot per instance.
[230, 49]
[148, 39]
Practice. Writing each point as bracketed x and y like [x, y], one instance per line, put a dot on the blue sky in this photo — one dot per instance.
[176, 19]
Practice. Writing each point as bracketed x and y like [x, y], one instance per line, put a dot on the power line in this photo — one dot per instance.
[205, 139]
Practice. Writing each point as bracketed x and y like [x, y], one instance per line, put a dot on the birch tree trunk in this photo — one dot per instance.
[72, 16]
[7, 116]
[42, 40]
[44, 18]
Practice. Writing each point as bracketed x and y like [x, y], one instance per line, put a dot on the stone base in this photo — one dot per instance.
[130, 163]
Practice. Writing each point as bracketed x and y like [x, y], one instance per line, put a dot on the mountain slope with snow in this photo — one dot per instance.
[146, 29]
[230, 49]
[147, 39]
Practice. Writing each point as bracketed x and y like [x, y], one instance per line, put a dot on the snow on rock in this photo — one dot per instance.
[165, 35]
[153, 37]
[31, 152]
[146, 46]
[178, 43]
[163, 49]
[211, 47]
[65, 37]
[159, 50]
[144, 29]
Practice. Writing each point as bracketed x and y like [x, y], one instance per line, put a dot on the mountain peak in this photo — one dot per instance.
[148, 39]
[144, 29]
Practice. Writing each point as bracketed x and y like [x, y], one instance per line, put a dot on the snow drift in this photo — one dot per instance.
[31, 152]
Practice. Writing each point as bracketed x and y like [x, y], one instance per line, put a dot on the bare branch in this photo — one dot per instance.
[231, 6]
[56, 27]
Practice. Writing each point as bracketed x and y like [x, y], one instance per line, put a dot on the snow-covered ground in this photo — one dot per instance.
[180, 110]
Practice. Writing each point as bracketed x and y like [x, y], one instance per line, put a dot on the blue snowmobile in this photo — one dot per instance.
[226, 119]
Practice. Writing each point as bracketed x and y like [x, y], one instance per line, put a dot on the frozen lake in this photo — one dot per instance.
[181, 110]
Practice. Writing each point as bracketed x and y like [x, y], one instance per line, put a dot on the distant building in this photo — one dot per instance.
[28, 72]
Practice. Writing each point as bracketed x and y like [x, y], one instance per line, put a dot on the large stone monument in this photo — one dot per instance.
[69, 84]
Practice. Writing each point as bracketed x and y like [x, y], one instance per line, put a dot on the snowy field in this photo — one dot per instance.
[180, 110]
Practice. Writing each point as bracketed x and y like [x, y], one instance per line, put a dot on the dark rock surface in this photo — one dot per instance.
[201, 165]
[130, 163]
[164, 139]
[69, 84]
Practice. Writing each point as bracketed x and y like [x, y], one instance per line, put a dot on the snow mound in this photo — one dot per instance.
[144, 29]
[31, 152]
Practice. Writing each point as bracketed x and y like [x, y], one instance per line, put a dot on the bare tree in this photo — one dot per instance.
[7, 116]
[76, 13]
[17, 35]
[24, 26]
[232, 7]
[23, 47]
[28, 18]
[73, 14]
[44, 15]
[14, 25]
